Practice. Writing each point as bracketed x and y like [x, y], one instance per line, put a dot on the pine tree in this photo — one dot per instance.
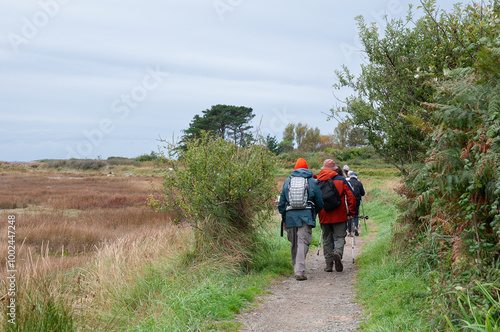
[223, 121]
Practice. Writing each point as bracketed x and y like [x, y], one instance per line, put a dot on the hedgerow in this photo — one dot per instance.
[451, 211]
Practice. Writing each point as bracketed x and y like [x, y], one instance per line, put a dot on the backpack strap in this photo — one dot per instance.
[343, 179]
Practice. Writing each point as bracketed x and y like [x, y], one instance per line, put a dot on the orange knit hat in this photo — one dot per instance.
[301, 163]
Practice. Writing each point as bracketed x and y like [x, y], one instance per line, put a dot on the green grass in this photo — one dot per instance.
[37, 308]
[182, 295]
[393, 294]
[178, 294]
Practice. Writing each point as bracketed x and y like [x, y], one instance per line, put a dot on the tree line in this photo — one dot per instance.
[233, 123]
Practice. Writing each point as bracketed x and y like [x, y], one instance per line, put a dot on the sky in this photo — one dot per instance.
[94, 79]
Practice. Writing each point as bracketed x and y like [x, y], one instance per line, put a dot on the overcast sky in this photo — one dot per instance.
[89, 79]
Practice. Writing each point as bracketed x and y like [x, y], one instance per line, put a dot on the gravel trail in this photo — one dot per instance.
[324, 302]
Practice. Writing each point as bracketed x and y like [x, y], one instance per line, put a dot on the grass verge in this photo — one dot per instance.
[182, 295]
[392, 292]
[150, 282]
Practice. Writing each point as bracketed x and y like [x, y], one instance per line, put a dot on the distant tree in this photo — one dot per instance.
[347, 135]
[311, 140]
[224, 121]
[286, 146]
[341, 134]
[148, 157]
[326, 141]
[300, 133]
[289, 133]
[356, 137]
[272, 144]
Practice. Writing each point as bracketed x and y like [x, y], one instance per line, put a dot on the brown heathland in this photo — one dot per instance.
[73, 214]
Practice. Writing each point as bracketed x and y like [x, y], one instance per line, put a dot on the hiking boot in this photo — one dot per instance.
[300, 278]
[329, 267]
[338, 263]
[356, 231]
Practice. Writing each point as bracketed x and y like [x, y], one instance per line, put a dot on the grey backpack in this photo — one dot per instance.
[298, 193]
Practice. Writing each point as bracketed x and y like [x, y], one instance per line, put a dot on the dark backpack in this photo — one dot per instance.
[355, 190]
[331, 196]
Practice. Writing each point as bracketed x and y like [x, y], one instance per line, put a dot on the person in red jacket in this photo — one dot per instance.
[333, 223]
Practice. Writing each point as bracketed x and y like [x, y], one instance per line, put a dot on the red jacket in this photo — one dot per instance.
[340, 213]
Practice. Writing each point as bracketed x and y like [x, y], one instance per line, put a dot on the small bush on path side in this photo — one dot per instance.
[220, 189]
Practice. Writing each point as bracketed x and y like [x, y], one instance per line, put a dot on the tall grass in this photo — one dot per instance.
[95, 267]
[480, 314]
[179, 293]
[393, 292]
[74, 213]
[39, 305]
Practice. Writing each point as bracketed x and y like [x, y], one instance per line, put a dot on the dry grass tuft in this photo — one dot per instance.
[81, 237]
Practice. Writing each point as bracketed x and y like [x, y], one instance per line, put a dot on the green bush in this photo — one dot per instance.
[451, 207]
[220, 189]
[80, 164]
[148, 157]
[117, 161]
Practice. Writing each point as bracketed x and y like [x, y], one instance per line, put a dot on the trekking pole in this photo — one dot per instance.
[352, 247]
[282, 223]
[320, 240]
[364, 215]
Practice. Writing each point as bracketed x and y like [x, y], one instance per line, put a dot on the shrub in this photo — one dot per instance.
[116, 161]
[148, 157]
[220, 189]
[81, 164]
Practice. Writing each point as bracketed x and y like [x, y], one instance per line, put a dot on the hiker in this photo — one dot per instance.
[299, 203]
[333, 222]
[345, 169]
[359, 191]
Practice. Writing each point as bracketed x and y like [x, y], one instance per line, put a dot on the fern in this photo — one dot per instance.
[455, 193]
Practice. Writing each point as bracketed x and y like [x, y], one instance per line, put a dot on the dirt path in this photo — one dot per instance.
[324, 302]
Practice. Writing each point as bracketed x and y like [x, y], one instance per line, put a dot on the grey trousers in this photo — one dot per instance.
[337, 232]
[300, 239]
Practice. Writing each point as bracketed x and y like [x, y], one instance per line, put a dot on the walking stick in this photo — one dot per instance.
[352, 247]
[282, 222]
[320, 240]
[364, 219]
[353, 240]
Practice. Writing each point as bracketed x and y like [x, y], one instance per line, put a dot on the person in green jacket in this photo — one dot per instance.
[300, 222]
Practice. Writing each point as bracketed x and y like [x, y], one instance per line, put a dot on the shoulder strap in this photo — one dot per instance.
[343, 179]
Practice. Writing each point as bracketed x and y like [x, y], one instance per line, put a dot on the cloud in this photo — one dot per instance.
[82, 58]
